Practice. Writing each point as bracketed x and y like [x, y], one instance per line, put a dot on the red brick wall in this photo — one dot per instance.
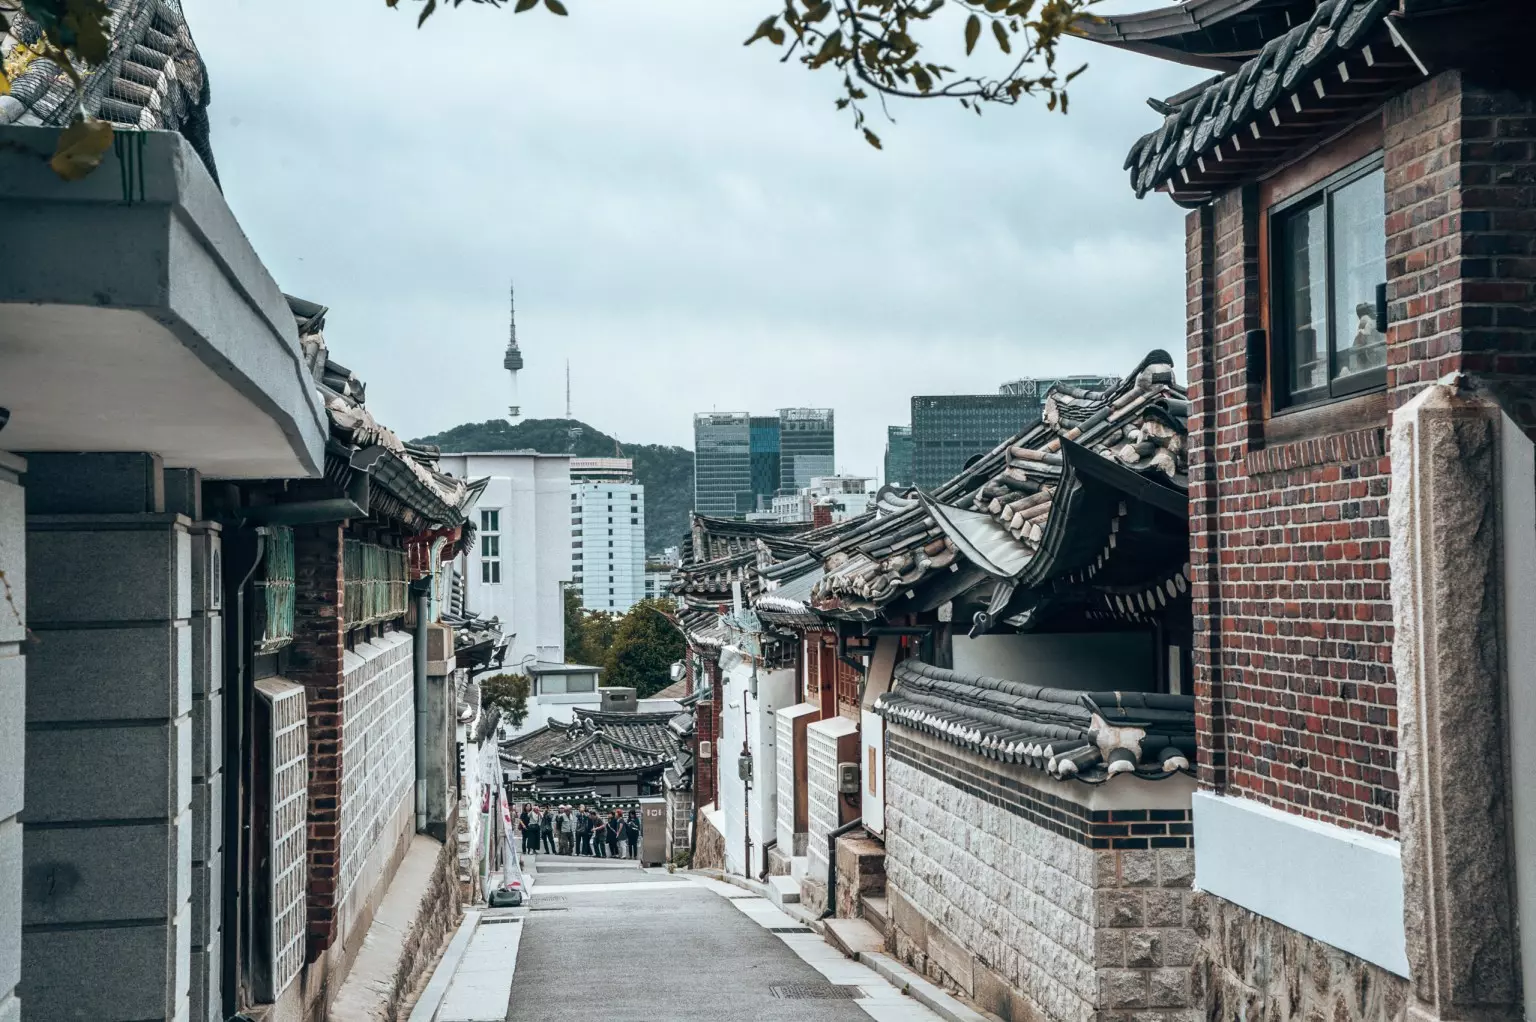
[1294, 697]
[1461, 245]
[317, 652]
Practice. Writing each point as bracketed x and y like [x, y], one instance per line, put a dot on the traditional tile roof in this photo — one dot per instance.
[153, 76]
[1087, 736]
[601, 753]
[1315, 75]
[597, 742]
[649, 731]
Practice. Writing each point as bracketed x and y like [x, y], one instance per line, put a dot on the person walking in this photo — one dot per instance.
[632, 834]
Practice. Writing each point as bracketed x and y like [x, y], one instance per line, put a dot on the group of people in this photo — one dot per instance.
[579, 830]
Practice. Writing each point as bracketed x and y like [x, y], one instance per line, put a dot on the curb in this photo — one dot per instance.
[921, 990]
[442, 975]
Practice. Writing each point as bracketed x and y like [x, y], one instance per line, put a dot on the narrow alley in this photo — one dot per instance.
[600, 940]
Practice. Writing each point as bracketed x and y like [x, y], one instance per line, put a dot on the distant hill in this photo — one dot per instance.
[666, 472]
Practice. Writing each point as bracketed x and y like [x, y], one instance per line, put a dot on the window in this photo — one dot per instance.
[576, 557]
[610, 532]
[634, 521]
[552, 685]
[581, 682]
[490, 521]
[634, 496]
[1328, 306]
[490, 546]
[490, 571]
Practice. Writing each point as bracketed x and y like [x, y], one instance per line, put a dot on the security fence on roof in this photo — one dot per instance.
[375, 584]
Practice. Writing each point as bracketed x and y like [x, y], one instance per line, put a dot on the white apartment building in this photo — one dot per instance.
[843, 496]
[522, 558]
[658, 581]
[607, 534]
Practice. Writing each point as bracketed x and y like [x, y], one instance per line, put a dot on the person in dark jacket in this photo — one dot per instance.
[599, 835]
[614, 831]
[583, 832]
[632, 834]
[547, 831]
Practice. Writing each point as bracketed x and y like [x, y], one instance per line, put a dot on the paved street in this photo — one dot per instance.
[614, 941]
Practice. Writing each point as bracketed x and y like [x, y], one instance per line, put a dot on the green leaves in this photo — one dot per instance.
[972, 33]
[556, 7]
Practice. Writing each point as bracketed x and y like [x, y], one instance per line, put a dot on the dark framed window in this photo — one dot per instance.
[1328, 259]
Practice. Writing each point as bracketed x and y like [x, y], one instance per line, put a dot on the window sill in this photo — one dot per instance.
[1353, 429]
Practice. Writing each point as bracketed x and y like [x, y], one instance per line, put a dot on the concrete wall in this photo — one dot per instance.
[208, 775]
[1018, 909]
[109, 848]
[791, 841]
[1113, 660]
[533, 493]
[13, 618]
[823, 805]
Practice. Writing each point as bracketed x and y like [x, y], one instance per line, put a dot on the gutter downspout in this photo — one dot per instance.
[237, 788]
[421, 588]
[768, 846]
[853, 824]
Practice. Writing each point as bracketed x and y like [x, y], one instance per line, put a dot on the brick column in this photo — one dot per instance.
[316, 663]
[1461, 240]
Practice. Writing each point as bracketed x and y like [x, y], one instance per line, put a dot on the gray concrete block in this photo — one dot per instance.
[10, 1007]
[207, 654]
[95, 483]
[108, 569]
[85, 674]
[89, 875]
[205, 1002]
[207, 817]
[113, 773]
[207, 877]
[13, 733]
[184, 492]
[10, 905]
[99, 974]
[207, 568]
[207, 735]
[13, 560]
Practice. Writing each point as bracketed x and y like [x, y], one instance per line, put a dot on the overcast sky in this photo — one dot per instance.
[687, 221]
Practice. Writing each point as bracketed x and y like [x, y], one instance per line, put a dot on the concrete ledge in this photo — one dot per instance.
[442, 977]
[928, 994]
[1334, 885]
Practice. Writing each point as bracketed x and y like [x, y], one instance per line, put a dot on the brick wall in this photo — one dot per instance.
[316, 663]
[1461, 240]
[1032, 922]
[1293, 640]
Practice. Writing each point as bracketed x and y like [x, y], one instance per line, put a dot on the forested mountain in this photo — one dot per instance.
[666, 472]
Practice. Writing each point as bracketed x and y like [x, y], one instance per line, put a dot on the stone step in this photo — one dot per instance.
[878, 911]
[853, 936]
[786, 890]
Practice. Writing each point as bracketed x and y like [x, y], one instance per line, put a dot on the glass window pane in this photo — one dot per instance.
[581, 683]
[552, 685]
[1304, 250]
[1359, 266]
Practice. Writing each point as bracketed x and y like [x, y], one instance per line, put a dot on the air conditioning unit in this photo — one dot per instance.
[706, 750]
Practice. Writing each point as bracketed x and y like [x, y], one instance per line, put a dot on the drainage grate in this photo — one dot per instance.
[789, 929]
[547, 908]
[815, 992]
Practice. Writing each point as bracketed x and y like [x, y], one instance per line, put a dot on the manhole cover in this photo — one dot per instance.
[815, 992]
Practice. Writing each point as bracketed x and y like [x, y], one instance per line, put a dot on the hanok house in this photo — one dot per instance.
[1361, 273]
[614, 754]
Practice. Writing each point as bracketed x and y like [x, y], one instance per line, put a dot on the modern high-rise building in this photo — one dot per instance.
[722, 463]
[948, 430]
[898, 455]
[607, 534]
[765, 459]
[807, 447]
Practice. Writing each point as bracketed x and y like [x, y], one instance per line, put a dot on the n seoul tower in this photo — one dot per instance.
[513, 362]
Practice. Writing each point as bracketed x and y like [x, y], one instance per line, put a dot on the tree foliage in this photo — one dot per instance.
[508, 694]
[644, 649]
[666, 472]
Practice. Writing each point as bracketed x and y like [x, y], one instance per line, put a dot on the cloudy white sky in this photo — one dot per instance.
[687, 221]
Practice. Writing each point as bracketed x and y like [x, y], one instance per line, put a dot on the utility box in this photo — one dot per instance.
[653, 831]
[847, 778]
[616, 699]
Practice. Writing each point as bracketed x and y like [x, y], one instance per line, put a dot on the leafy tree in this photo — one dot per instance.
[508, 695]
[644, 649]
[879, 46]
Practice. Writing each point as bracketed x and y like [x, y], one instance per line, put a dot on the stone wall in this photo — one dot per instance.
[709, 842]
[860, 872]
[1250, 967]
[1030, 918]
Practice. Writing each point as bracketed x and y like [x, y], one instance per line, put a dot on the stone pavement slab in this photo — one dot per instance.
[482, 984]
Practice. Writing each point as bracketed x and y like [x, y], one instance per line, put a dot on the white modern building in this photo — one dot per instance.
[521, 561]
[843, 497]
[658, 581]
[607, 534]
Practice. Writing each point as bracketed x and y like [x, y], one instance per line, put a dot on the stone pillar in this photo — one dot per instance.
[441, 757]
[1454, 701]
[108, 852]
[13, 631]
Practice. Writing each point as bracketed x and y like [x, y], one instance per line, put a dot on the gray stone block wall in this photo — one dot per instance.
[1031, 923]
[822, 816]
[205, 656]
[13, 616]
[108, 875]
